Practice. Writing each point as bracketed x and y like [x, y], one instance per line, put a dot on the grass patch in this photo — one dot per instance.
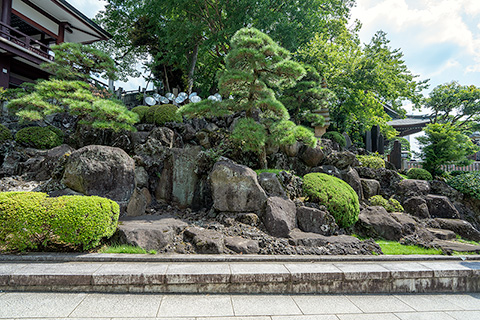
[459, 239]
[404, 176]
[395, 248]
[125, 248]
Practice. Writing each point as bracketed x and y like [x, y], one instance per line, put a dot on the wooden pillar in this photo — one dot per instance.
[61, 32]
[5, 71]
[6, 12]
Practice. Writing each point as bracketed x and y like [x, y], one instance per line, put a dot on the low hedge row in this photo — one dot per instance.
[30, 220]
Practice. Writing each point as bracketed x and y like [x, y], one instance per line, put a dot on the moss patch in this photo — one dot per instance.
[40, 137]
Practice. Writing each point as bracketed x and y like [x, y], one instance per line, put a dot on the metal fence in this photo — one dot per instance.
[473, 167]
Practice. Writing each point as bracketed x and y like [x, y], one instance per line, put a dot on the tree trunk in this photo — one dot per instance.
[191, 72]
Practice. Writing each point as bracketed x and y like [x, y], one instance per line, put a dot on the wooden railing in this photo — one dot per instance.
[473, 167]
[25, 41]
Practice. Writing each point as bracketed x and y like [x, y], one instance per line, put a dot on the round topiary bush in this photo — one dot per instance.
[337, 137]
[39, 137]
[5, 134]
[142, 113]
[468, 183]
[339, 198]
[29, 220]
[166, 113]
[419, 174]
[150, 114]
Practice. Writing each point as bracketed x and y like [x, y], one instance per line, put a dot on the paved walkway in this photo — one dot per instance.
[25, 305]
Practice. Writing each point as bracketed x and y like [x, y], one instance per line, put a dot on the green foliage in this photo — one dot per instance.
[166, 113]
[468, 183]
[75, 98]
[395, 248]
[455, 104]
[339, 198]
[363, 79]
[419, 174]
[371, 161]
[444, 144]
[30, 220]
[391, 205]
[5, 134]
[39, 137]
[287, 133]
[337, 137]
[142, 113]
[75, 61]
[276, 171]
[125, 248]
[249, 135]
[404, 144]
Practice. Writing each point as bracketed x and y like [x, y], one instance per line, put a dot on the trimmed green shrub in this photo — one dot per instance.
[371, 161]
[29, 220]
[5, 134]
[468, 183]
[391, 205]
[39, 137]
[142, 113]
[419, 174]
[339, 198]
[337, 137]
[166, 113]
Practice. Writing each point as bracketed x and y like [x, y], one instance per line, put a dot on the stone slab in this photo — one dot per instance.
[197, 273]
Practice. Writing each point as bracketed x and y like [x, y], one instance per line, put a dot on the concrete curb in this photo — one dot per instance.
[242, 277]
[168, 258]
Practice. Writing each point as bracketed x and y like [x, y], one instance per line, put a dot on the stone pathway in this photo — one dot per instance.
[28, 305]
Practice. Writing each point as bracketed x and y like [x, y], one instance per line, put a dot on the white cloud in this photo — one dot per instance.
[88, 7]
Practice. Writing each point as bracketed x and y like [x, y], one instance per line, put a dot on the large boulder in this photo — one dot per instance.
[410, 188]
[328, 169]
[351, 177]
[377, 222]
[270, 183]
[443, 189]
[388, 179]
[417, 206]
[43, 162]
[315, 220]
[205, 240]
[280, 216]
[342, 160]
[235, 188]
[242, 245]
[370, 188]
[178, 180]
[149, 232]
[460, 227]
[312, 156]
[101, 171]
[441, 207]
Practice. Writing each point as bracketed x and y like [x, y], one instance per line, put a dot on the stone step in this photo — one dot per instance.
[448, 275]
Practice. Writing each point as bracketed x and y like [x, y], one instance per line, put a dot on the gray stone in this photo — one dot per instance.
[235, 188]
[141, 177]
[205, 240]
[149, 232]
[292, 149]
[342, 160]
[312, 156]
[328, 169]
[443, 189]
[137, 204]
[417, 206]
[315, 220]
[409, 225]
[242, 245]
[461, 227]
[377, 222]
[441, 207]
[42, 163]
[248, 218]
[370, 188]
[351, 177]
[178, 180]
[102, 171]
[164, 135]
[279, 218]
[270, 183]
[410, 188]
[442, 234]
[388, 179]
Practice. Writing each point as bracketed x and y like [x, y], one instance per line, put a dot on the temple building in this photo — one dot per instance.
[27, 30]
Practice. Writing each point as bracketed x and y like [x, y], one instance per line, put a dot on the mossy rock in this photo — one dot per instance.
[5, 134]
[419, 174]
[40, 137]
[391, 205]
[31, 220]
[337, 137]
[166, 113]
[371, 161]
[339, 198]
[142, 113]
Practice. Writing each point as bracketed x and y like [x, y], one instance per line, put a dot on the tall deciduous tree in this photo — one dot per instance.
[364, 79]
[188, 40]
[455, 104]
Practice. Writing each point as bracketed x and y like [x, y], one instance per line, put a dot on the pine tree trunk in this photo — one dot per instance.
[191, 72]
